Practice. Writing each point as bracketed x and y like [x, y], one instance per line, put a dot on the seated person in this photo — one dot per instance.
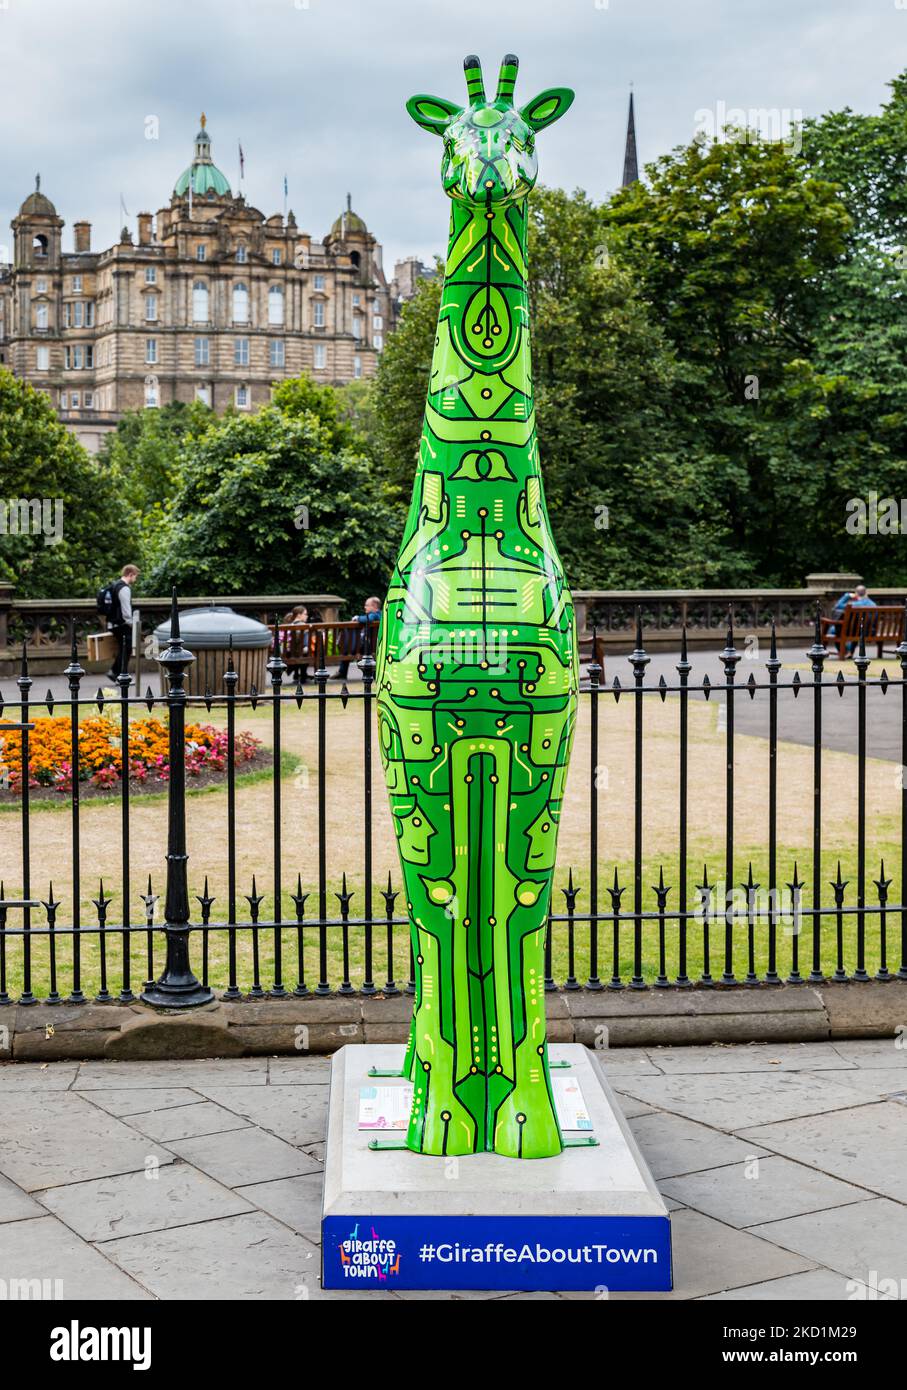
[363, 641]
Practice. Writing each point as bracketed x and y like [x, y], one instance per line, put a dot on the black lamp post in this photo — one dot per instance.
[177, 988]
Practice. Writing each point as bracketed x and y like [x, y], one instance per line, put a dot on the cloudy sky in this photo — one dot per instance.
[314, 89]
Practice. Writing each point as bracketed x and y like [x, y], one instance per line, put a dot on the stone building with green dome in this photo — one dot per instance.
[208, 299]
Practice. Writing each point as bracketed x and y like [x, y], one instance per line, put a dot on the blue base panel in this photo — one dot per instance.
[613, 1253]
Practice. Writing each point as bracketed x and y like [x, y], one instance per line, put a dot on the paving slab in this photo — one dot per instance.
[875, 1052]
[760, 1190]
[297, 1114]
[866, 1242]
[33, 1076]
[710, 1257]
[188, 1121]
[140, 1100]
[235, 1071]
[294, 1201]
[873, 1082]
[45, 1249]
[625, 1061]
[865, 1146]
[673, 1145]
[751, 1057]
[305, 1071]
[244, 1156]
[736, 1102]
[815, 1286]
[67, 1139]
[16, 1204]
[241, 1257]
[133, 1203]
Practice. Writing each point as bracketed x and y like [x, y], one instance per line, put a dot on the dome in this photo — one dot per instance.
[206, 178]
[204, 173]
[348, 222]
[37, 204]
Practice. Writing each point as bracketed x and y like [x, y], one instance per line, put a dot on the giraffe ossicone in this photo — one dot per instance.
[477, 663]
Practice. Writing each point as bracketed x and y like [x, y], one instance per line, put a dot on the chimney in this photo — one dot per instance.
[82, 235]
[144, 220]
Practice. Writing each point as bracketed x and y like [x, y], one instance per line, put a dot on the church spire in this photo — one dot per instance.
[631, 168]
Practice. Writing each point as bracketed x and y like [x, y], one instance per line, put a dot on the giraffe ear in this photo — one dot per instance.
[432, 113]
[547, 107]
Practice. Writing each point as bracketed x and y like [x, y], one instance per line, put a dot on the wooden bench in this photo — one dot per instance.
[322, 644]
[881, 626]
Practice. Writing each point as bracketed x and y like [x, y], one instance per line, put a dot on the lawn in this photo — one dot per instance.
[51, 851]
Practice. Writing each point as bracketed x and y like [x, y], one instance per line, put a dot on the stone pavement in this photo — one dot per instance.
[783, 1164]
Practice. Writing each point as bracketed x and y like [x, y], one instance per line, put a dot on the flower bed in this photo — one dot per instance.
[100, 756]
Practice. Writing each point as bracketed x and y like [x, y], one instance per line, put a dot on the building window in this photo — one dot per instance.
[78, 314]
[320, 357]
[318, 313]
[357, 366]
[64, 400]
[203, 394]
[242, 397]
[151, 351]
[89, 313]
[318, 282]
[200, 252]
[89, 355]
[202, 352]
[357, 326]
[275, 256]
[278, 353]
[241, 352]
[240, 303]
[355, 301]
[150, 275]
[41, 316]
[41, 286]
[77, 284]
[242, 254]
[150, 392]
[74, 400]
[89, 400]
[378, 321]
[150, 308]
[42, 359]
[199, 302]
[379, 341]
[275, 304]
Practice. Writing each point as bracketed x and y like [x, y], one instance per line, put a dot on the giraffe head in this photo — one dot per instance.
[489, 146]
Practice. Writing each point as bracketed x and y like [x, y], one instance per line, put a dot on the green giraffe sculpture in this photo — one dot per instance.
[477, 666]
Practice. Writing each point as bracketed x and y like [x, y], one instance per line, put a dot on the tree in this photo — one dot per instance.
[91, 533]
[275, 503]
[144, 452]
[402, 382]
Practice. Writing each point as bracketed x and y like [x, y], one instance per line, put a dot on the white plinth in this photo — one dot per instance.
[591, 1217]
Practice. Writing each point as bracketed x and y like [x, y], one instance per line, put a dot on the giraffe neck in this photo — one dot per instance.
[479, 419]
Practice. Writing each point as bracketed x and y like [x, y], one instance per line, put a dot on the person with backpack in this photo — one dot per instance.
[115, 605]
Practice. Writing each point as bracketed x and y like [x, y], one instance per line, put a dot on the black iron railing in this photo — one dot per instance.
[678, 931]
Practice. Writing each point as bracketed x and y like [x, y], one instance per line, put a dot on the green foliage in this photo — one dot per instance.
[402, 382]
[144, 451]
[40, 459]
[277, 502]
[720, 356]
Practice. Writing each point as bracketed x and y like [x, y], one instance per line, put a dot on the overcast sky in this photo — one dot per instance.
[315, 89]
